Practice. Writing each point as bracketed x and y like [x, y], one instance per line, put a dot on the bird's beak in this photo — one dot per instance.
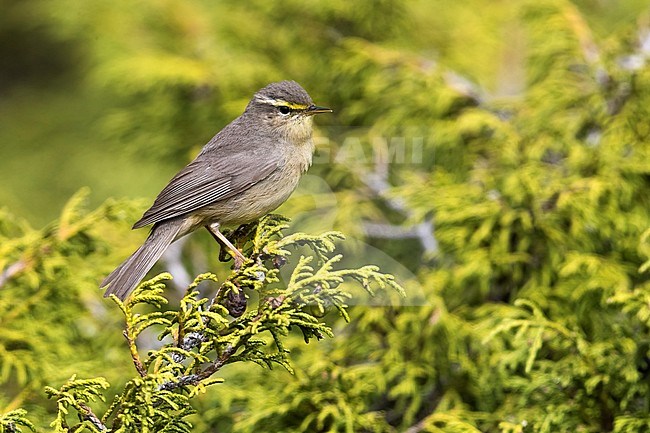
[315, 109]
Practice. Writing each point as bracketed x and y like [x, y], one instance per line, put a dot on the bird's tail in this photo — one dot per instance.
[126, 276]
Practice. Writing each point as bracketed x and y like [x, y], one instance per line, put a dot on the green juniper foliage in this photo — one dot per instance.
[11, 421]
[49, 313]
[204, 334]
[524, 220]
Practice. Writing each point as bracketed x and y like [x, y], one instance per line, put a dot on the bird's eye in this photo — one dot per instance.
[284, 109]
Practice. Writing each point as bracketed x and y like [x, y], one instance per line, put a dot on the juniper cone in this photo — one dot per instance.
[244, 172]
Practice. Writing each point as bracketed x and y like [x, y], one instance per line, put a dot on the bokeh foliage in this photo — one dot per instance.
[533, 182]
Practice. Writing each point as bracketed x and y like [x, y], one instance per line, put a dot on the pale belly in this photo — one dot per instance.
[258, 200]
[251, 204]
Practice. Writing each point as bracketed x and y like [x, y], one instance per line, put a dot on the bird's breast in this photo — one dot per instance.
[300, 156]
[264, 196]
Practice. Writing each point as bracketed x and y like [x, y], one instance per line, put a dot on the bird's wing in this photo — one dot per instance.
[205, 181]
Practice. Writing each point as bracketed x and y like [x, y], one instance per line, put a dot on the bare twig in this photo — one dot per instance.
[89, 415]
[11, 271]
[378, 184]
[389, 231]
[415, 428]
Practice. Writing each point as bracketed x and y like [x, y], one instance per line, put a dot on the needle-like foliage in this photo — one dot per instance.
[203, 334]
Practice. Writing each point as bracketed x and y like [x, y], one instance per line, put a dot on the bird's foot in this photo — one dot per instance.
[237, 255]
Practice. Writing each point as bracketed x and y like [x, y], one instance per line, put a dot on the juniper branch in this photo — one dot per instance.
[133, 349]
[194, 379]
[88, 415]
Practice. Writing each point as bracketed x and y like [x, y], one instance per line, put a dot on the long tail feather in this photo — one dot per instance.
[126, 276]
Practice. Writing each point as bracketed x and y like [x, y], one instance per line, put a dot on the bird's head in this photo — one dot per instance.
[286, 108]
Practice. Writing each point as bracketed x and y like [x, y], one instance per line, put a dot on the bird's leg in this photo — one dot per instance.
[236, 254]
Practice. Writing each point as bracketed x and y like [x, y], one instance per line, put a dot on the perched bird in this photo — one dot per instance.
[244, 172]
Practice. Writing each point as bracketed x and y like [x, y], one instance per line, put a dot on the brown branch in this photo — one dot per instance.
[88, 415]
[415, 428]
[12, 270]
[19, 266]
[137, 362]
[194, 379]
[377, 182]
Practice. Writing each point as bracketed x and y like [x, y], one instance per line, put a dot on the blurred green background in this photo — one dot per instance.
[73, 74]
